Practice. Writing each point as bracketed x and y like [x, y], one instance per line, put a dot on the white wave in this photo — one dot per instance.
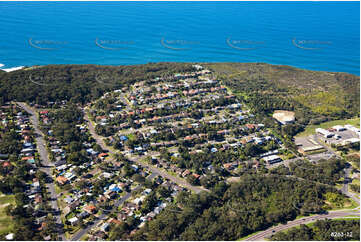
[1, 65]
[13, 68]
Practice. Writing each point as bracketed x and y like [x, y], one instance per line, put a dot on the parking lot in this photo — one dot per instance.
[324, 155]
[339, 137]
[307, 144]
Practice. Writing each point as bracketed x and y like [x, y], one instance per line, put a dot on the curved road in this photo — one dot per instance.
[261, 236]
[47, 165]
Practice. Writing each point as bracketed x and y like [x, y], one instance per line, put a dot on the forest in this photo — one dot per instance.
[311, 94]
[325, 171]
[77, 83]
[232, 211]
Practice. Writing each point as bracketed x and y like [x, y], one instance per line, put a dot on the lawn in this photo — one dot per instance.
[356, 181]
[310, 129]
[5, 221]
[348, 204]
[132, 137]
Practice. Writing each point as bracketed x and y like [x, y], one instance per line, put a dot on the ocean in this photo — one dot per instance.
[310, 35]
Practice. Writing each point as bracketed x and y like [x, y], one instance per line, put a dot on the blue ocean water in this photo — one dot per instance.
[311, 35]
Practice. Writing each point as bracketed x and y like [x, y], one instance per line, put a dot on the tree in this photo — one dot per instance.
[193, 180]
[138, 178]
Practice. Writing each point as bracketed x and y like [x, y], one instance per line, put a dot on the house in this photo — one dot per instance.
[66, 210]
[104, 227]
[61, 180]
[6, 164]
[251, 126]
[73, 221]
[83, 215]
[38, 199]
[102, 155]
[196, 175]
[43, 225]
[44, 112]
[115, 221]
[107, 175]
[91, 209]
[109, 194]
[60, 162]
[114, 188]
[186, 173]
[139, 200]
[68, 199]
[228, 166]
[147, 191]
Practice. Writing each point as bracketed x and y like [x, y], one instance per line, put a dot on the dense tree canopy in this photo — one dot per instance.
[236, 210]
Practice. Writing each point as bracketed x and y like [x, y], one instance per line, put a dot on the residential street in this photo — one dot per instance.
[151, 168]
[47, 165]
[96, 221]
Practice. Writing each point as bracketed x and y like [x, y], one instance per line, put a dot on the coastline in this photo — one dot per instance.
[15, 68]
[10, 69]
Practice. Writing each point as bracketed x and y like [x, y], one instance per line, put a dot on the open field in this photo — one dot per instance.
[5, 221]
[310, 129]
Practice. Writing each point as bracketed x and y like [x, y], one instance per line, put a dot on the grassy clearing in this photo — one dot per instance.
[132, 137]
[310, 129]
[355, 218]
[356, 182]
[6, 224]
[348, 204]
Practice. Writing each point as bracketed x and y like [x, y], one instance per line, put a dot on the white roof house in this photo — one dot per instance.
[104, 227]
[73, 220]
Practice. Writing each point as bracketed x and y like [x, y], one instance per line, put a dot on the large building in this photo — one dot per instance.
[272, 159]
[339, 128]
[284, 117]
[324, 132]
